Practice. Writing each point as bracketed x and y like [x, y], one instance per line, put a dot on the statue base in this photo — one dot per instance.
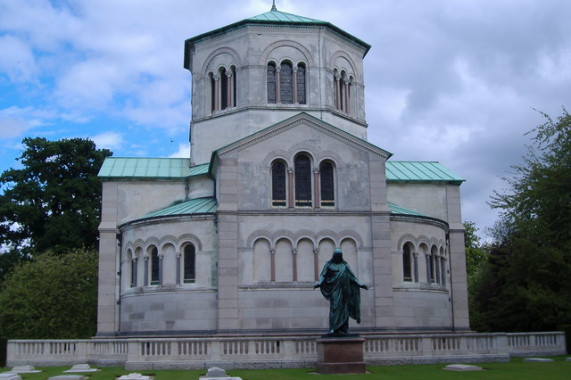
[338, 354]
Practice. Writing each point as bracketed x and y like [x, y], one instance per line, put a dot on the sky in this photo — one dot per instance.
[454, 81]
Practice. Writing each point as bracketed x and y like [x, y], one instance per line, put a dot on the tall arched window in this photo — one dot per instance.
[327, 184]
[133, 269]
[189, 271]
[212, 92]
[286, 83]
[407, 262]
[155, 266]
[278, 183]
[223, 89]
[302, 181]
[432, 260]
[300, 81]
[271, 81]
[342, 84]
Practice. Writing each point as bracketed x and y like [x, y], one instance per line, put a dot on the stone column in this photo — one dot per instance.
[107, 308]
[290, 195]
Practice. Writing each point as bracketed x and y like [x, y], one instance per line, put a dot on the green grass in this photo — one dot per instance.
[515, 369]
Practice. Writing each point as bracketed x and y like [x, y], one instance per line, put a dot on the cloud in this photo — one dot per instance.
[19, 65]
[108, 140]
[183, 151]
[16, 121]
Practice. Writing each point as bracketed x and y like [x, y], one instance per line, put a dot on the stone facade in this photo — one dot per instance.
[232, 239]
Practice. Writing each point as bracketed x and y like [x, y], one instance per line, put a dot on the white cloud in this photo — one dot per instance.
[183, 151]
[16, 121]
[108, 140]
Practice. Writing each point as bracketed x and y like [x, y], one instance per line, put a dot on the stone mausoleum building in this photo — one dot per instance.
[231, 239]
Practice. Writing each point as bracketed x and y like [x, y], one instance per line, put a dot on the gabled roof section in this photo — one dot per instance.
[273, 17]
[291, 122]
[155, 168]
[420, 171]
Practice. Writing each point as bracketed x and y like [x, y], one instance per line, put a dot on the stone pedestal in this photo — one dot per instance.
[340, 355]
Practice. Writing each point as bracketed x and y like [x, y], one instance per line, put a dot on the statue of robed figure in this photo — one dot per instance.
[341, 288]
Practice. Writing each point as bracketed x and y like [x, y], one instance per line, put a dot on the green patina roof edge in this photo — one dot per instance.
[398, 210]
[106, 172]
[420, 172]
[114, 168]
[263, 19]
[208, 206]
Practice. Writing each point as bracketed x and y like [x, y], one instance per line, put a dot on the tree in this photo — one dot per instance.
[53, 202]
[476, 259]
[524, 285]
[52, 296]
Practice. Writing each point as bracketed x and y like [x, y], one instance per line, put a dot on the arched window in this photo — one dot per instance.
[189, 271]
[302, 181]
[212, 92]
[271, 81]
[223, 89]
[300, 81]
[327, 184]
[407, 262]
[155, 266]
[342, 85]
[286, 83]
[432, 264]
[133, 269]
[278, 183]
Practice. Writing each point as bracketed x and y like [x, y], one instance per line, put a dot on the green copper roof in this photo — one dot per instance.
[272, 17]
[420, 171]
[160, 168]
[176, 168]
[277, 16]
[402, 211]
[198, 206]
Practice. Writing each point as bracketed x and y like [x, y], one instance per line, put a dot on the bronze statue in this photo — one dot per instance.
[341, 288]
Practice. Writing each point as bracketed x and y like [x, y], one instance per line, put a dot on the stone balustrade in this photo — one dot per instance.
[279, 351]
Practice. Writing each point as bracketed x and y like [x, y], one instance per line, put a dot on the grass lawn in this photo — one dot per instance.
[516, 369]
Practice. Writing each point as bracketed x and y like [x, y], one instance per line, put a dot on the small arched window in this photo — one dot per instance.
[155, 266]
[327, 184]
[271, 82]
[342, 83]
[300, 82]
[433, 265]
[286, 83]
[212, 92]
[407, 262]
[303, 181]
[279, 183]
[133, 268]
[223, 89]
[189, 265]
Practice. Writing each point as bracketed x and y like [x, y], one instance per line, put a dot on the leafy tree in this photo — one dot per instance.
[53, 202]
[52, 296]
[476, 260]
[525, 283]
